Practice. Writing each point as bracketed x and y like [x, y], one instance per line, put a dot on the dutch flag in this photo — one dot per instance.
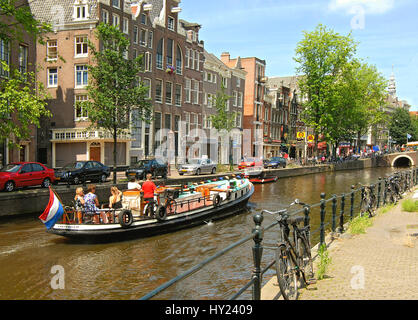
[53, 211]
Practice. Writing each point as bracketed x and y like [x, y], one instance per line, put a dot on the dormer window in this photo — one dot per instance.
[116, 3]
[81, 10]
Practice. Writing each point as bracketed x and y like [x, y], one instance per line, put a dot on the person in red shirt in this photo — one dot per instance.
[149, 188]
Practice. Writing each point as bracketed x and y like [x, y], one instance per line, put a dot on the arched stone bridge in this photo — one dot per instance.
[401, 159]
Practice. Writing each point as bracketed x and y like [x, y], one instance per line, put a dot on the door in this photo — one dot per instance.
[38, 173]
[89, 171]
[25, 177]
[95, 153]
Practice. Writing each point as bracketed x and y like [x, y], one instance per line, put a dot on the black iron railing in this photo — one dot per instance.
[336, 224]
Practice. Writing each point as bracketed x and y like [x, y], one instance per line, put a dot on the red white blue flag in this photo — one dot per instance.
[53, 211]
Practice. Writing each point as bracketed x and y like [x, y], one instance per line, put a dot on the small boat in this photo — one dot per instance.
[260, 180]
[174, 208]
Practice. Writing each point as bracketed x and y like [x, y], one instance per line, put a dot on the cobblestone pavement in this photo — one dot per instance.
[379, 265]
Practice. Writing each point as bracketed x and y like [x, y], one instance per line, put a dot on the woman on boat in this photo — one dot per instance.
[92, 204]
[79, 204]
[115, 200]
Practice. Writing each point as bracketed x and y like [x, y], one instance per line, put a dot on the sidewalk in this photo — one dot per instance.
[387, 256]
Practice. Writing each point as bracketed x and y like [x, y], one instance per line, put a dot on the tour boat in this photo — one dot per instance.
[174, 208]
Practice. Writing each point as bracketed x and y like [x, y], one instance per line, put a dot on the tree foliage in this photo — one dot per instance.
[22, 104]
[223, 120]
[116, 95]
[401, 125]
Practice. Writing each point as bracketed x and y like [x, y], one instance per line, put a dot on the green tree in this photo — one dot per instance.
[223, 121]
[321, 56]
[16, 19]
[400, 126]
[116, 95]
[22, 104]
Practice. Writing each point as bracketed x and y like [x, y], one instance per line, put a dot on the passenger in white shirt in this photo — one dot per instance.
[134, 185]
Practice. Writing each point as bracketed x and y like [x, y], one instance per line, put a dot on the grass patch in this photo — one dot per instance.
[410, 205]
[360, 224]
[324, 262]
[388, 208]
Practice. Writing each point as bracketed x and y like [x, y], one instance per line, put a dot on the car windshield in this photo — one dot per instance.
[75, 165]
[142, 163]
[195, 161]
[275, 159]
[11, 168]
[250, 160]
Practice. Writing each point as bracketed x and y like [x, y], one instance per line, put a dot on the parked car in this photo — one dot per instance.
[250, 162]
[139, 170]
[82, 171]
[275, 163]
[198, 166]
[25, 174]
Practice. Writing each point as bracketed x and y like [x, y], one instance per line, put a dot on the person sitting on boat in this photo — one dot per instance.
[79, 204]
[115, 200]
[92, 204]
[133, 184]
[149, 189]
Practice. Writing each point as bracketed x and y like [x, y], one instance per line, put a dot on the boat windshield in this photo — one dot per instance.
[75, 165]
[195, 161]
[11, 168]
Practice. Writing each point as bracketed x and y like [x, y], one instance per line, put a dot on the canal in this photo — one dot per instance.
[129, 270]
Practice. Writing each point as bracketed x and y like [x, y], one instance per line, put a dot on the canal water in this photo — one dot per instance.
[129, 270]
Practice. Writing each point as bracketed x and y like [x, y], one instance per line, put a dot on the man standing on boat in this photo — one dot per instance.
[149, 188]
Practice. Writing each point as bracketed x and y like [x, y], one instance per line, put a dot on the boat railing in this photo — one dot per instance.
[325, 211]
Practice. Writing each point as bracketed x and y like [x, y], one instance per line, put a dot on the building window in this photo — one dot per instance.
[197, 60]
[143, 38]
[105, 16]
[159, 91]
[159, 61]
[148, 62]
[171, 23]
[168, 93]
[238, 82]
[4, 57]
[157, 127]
[80, 109]
[81, 76]
[116, 20]
[81, 46]
[136, 126]
[225, 82]
[239, 120]
[150, 39]
[147, 83]
[188, 90]
[116, 3]
[126, 25]
[187, 58]
[135, 34]
[240, 99]
[143, 18]
[52, 77]
[235, 101]
[178, 95]
[170, 46]
[167, 121]
[23, 59]
[195, 92]
[52, 50]
[179, 61]
[80, 10]
[187, 120]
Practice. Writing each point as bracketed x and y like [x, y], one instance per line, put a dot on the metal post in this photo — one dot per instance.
[257, 254]
[307, 221]
[352, 202]
[334, 212]
[342, 213]
[385, 192]
[322, 228]
[379, 193]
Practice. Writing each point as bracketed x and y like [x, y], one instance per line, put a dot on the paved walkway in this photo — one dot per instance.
[379, 265]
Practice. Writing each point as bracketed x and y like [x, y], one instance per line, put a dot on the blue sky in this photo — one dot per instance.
[270, 29]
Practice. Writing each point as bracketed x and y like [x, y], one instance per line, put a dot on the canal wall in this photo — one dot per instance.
[31, 201]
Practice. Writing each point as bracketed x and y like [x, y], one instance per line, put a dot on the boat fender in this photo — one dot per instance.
[161, 214]
[126, 218]
[228, 195]
[216, 200]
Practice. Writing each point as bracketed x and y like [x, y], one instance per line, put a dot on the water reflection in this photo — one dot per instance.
[129, 270]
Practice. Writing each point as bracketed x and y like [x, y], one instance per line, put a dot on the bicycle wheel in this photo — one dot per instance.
[305, 261]
[364, 206]
[286, 275]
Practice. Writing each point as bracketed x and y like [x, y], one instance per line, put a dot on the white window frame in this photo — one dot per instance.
[169, 102]
[148, 62]
[157, 81]
[170, 26]
[135, 33]
[125, 25]
[82, 75]
[76, 43]
[150, 38]
[113, 20]
[150, 87]
[48, 47]
[55, 85]
[188, 91]
[75, 107]
[175, 94]
[105, 16]
[113, 4]
[145, 33]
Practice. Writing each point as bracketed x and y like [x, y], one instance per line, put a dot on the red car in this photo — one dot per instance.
[25, 174]
[250, 162]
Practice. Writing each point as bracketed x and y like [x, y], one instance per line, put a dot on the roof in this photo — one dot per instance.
[289, 82]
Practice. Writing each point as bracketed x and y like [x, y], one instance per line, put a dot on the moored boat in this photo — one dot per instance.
[259, 180]
[174, 208]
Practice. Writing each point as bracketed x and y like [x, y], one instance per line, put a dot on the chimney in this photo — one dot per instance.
[225, 57]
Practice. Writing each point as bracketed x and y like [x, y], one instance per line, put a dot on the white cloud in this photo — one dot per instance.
[369, 6]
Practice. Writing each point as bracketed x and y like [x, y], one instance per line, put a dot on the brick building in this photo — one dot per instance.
[18, 54]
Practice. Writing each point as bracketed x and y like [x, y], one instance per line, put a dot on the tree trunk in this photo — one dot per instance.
[115, 154]
[358, 142]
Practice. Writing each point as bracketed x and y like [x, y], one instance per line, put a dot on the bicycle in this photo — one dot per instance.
[368, 202]
[293, 256]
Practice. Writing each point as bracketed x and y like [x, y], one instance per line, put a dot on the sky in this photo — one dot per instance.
[387, 32]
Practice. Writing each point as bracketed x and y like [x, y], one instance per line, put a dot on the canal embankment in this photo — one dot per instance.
[34, 200]
[377, 265]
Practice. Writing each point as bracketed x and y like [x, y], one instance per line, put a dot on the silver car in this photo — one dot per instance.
[198, 166]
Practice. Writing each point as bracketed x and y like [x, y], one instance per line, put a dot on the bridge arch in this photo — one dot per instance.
[403, 159]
